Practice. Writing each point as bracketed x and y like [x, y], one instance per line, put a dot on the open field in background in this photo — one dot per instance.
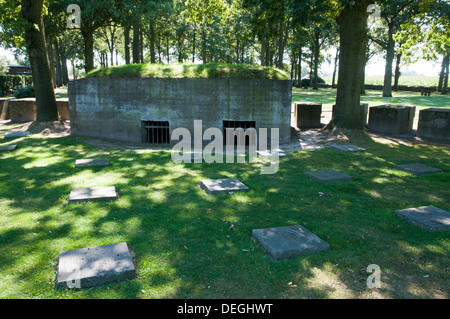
[410, 80]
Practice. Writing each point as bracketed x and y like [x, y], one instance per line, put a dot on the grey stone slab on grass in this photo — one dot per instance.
[94, 266]
[274, 152]
[91, 162]
[8, 147]
[348, 148]
[93, 194]
[17, 134]
[219, 186]
[418, 169]
[288, 241]
[329, 176]
[429, 218]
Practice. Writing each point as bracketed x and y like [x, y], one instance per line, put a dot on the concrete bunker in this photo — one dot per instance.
[147, 110]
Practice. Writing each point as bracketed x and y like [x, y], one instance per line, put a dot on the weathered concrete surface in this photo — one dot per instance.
[8, 147]
[91, 162]
[329, 176]
[220, 186]
[307, 114]
[434, 123]
[114, 108]
[4, 108]
[275, 152]
[429, 218]
[418, 169]
[92, 194]
[348, 148]
[94, 266]
[391, 119]
[288, 241]
[17, 134]
[24, 110]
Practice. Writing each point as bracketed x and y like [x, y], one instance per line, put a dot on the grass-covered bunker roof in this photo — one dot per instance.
[190, 70]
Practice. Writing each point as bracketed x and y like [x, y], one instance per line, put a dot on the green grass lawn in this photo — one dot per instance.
[189, 244]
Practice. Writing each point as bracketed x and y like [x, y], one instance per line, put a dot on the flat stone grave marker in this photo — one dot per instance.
[93, 194]
[329, 176]
[94, 266]
[269, 153]
[348, 148]
[8, 147]
[91, 162]
[418, 169]
[429, 218]
[16, 134]
[288, 241]
[219, 186]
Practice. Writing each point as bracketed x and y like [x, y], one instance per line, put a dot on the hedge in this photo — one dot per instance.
[8, 83]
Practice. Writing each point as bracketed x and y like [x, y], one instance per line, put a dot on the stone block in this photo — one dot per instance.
[8, 147]
[17, 134]
[348, 148]
[275, 152]
[329, 176]
[391, 119]
[288, 241]
[418, 169]
[91, 162]
[93, 194]
[308, 114]
[220, 186]
[434, 123]
[22, 110]
[94, 266]
[430, 218]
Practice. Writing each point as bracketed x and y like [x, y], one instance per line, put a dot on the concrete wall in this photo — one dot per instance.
[24, 110]
[114, 108]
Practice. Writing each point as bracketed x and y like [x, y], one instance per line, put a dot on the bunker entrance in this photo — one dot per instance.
[155, 132]
[238, 124]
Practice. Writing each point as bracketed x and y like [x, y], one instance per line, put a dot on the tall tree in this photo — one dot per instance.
[352, 21]
[34, 34]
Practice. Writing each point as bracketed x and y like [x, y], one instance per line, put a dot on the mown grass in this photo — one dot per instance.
[189, 244]
[190, 70]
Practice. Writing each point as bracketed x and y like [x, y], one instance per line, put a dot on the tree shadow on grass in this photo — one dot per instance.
[192, 244]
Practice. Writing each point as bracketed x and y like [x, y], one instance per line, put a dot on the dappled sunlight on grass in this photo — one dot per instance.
[186, 240]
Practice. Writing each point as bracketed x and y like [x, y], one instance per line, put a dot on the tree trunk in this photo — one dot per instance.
[352, 22]
[88, 37]
[299, 64]
[65, 72]
[58, 66]
[316, 58]
[135, 44]
[262, 55]
[445, 84]
[35, 43]
[397, 71]
[280, 45]
[336, 59]
[387, 87]
[442, 74]
[126, 35]
[51, 60]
